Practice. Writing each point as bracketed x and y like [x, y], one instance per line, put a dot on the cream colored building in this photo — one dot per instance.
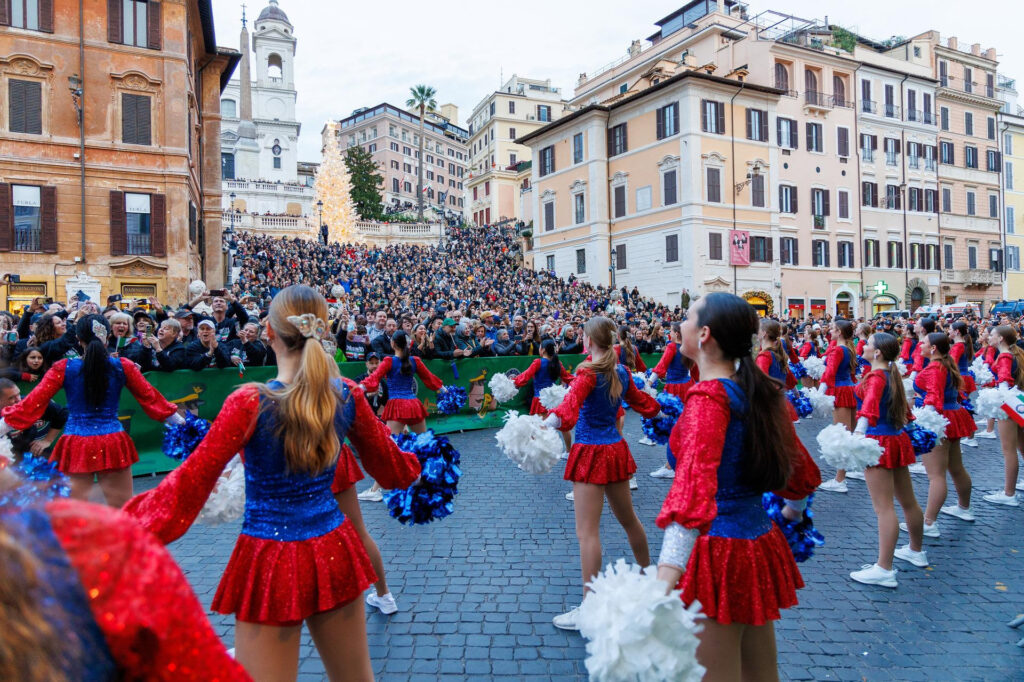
[495, 155]
[1011, 135]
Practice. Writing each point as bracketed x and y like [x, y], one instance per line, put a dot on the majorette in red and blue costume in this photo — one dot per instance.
[769, 363]
[1005, 369]
[93, 439]
[539, 372]
[672, 369]
[988, 355]
[638, 362]
[907, 350]
[935, 386]
[403, 405]
[838, 376]
[117, 597]
[599, 455]
[297, 554]
[740, 568]
[958, 352]
[873, 401]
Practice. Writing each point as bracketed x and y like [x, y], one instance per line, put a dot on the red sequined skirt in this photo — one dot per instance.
[805, 477]
[347, 472]
[679, 390]
[282, 583]
[899, 450]
[844, 395]
[93, 454]
[537, 408]
[405, 410]
[742, 581]
[961, 423]
[600, 464]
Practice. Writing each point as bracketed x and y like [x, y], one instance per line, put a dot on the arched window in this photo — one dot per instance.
[228, 108]
[811, 86]
[781, 76]
[274, 66]
[839, 90]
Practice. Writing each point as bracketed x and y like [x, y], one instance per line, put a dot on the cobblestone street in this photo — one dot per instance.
[477, 591]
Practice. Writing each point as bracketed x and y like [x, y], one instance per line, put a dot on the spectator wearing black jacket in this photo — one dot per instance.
[444, 342]
[37, 439]
[381, 343]
[187, 319]
[248, 347]
[208, 350]
[228, 315]
[164, 352]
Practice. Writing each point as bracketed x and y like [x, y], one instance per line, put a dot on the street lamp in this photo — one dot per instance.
[615, 265]
[320, 208]
[231, 225]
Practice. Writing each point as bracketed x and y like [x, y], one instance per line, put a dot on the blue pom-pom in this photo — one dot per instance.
[918, 401]
[801, 535]
[801, 403]
[798, 370]
[966, 403]
[180, 440]
[431, 497]
[924, 440]
[41, 482]
[451, 400]
[659, 429]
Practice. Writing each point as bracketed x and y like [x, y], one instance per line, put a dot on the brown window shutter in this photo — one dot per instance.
[825, 201]
[720, 107]
[5, 12]
[48, 223]
[153, 30]
[114, 21]
[158, 225]
[129, 127]
[704, 115]
[144, 118]
[46, 16]
[118, 226]
[764, 125]
[750, 134]
[659, 118]
[6, 213]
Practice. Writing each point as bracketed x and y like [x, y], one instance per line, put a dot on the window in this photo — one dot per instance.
[714, 185]
[760, 249]
[547, 161]
[1010, 224]
[929, 115]
[944, 118]
[819, 206]
[577, 148]
[619, 197]
[916, 256]
[712, 116]
[511, 106]
[843, 141]
[227, 166]
[814, 137]
[787, 133]
[757, 125]
[667, 118]
[372, 149]
[931, 201]
[968, 80]
[991, 128]
[277, 162]
[394, 146]
[845, 254]
[932, 260]
[787, 199]
[968, 123]
[581, 261]
[544, 113]
[1008, 144]
[970, 157]
[27, 210]
[134, 22]
[620, 256]
[947, 255]
[990, 82]
[579, 213]
[912, 105]
[993, 205]
[668, 188]
[551, 263]
[892, 151]
[839, 91]
[487, 188]
[714, 246]
[866, 105]
[992, 161]
[491, 109]
[788, 247]
[891, 110]
[946, 153]
[915, 201]
[972, 257]
[872, 257]
[511, 133]
[1013, 258]
[26, 14]
[868, 145]
[228, 108]
[549, 216]
[671, 248]
[869, 194]
[1008, 175]
[394, 186]
[944, 74]
[135, 119]
[819, 253]
[623, 88]
[947, 200]
[137, 220]
[25, 106]
[781, 76]
[892, 197]
[757, 191]
[811, 87]
[844, 204]
[407, 186]
[895, 259]
[971, 208]
[617, 143]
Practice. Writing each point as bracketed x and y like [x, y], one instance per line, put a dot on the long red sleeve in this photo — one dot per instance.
[918, 359]
[642, 402]
[640, 366]
[697, 441]
[24, 414]
[805, 350]
[378, 452]
[905, 350]
[427, 377]
[870, 391]
[1003, 369]
[565, 375]
[957, 351]
[569, 411]
[666, 359]
[372, 382]
[933, 380]
[150, 400]
[833, 357]
[527, 375]
[793, 357]
[150, 617]
[764, 361]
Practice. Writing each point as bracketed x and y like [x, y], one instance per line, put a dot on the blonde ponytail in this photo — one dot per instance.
[601, 331]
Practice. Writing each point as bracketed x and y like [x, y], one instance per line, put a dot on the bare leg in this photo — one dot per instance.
[340, 637]
[904, 491]
[880, 486]
[418, 428]
[621, 502]
[588, 503]
[844, 416]
[935, 463]
[267, 652]
[990, 426]
[720, 651]
[957, 471]
[116, 486]
[1009, 438]
[760, 662]
[81, 485]
[349, 505]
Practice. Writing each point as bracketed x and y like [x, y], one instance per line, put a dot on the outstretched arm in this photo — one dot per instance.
[152, 402]
[24, 414]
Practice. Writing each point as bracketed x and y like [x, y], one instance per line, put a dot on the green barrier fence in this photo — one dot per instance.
[204, 392]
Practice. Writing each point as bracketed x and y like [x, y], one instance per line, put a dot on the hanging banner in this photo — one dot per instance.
[739, 247]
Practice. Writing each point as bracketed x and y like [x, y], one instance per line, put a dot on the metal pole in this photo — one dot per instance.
[81, 117]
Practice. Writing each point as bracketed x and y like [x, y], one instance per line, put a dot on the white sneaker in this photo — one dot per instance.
[917, 468]
[569, 496]
[969, 442]
[855, 475]
[1020, 484]
[873, 574]
[833, 486]
[386, 604]
[919, 559]
[567, 621]
[664, 472]
[1000, 498]
[371, 495]
[931, 531]
[958, 511]
[985, 434]
[646, 441]
[633, 484]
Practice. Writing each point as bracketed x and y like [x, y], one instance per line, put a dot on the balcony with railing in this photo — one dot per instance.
[972, 277]
[891, 110]
[868, 106]
[27, 238]
[138, 244]
[786, 92]
[817, 100]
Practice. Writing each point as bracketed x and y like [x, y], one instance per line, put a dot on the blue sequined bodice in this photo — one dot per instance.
[883, 426]
[92, 420]
[677, 372]
[776, 370]
[740, 513]
[402, 385]
[64, 603]
[285, 506]
[843, 377]
[542, 379]
[596, 425]
[963, 363]
[950, 394]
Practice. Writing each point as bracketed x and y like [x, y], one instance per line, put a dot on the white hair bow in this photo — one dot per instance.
[309, 325]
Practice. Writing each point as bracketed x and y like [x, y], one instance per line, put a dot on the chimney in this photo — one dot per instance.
[976, 49]
[952, 43]
[990, 54]
[634, 48]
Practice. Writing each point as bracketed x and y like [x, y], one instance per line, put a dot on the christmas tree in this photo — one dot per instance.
[333, 186]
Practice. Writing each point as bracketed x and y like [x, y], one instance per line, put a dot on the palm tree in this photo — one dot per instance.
[423, 99]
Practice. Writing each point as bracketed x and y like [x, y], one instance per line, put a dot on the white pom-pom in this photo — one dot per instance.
[552, 396]
[533, 448]
[647, 383]
[822, 404]
[927, 418]
[845, 450]
[982, 374]
[902, 367]
[908, 389]
[227, 501]
[637, 630]
[990, 401]
[6, 450]
[502, 388]
[815, 366]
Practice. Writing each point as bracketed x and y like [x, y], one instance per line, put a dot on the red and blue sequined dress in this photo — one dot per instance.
[1005, 369]
[907, 351]
[638, 362]
[963, 363]
[599, 455]
[936, 387]
[741, 568]
[769, 363]
[93, 438]
[873, 401]
[838, 376]
[672, 369]
[539, 372]
[297, 554]
[117, 597]
[403, 405]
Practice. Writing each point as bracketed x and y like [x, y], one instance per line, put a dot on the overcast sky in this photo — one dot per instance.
[349, 59]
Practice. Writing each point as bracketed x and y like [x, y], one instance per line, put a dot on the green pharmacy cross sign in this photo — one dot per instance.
[880, 288]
